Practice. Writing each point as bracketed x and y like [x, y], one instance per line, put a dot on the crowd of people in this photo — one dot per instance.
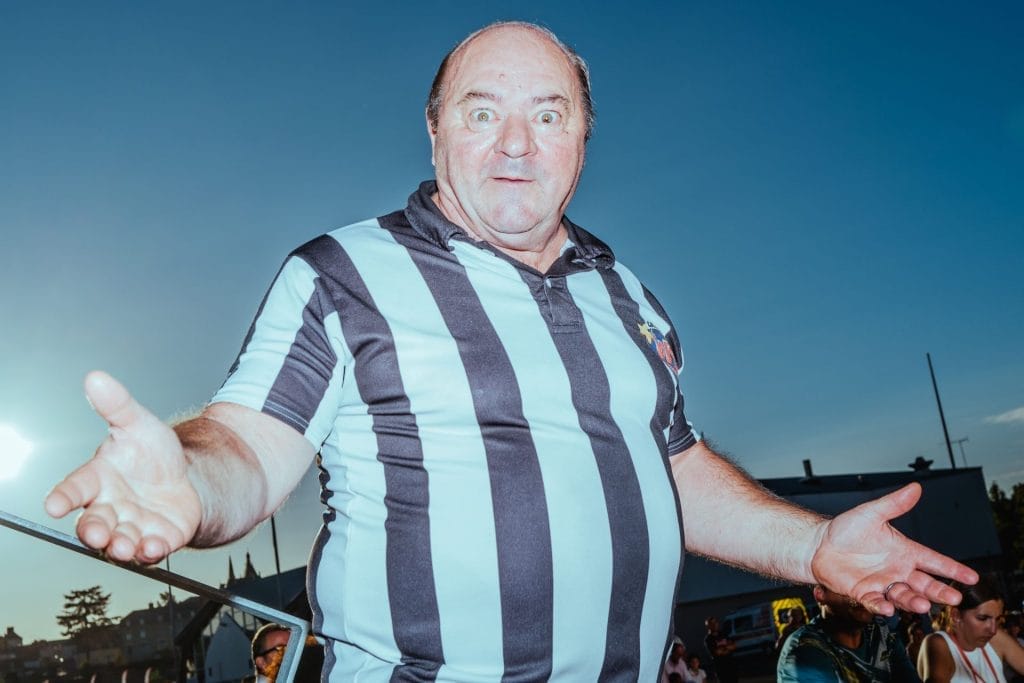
[977, 641]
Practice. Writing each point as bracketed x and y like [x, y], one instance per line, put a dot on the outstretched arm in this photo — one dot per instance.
[731, 518]
[150, 489]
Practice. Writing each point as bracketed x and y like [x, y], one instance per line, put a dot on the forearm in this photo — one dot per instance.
[730, 517]
[228, 479]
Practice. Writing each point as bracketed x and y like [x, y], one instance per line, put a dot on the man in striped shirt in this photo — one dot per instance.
[508, 475]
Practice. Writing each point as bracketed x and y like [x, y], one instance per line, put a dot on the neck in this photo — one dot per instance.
[848, 635]
[959, 642]
[537, 248]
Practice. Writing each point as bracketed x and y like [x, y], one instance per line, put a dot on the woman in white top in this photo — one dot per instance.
[971, 648]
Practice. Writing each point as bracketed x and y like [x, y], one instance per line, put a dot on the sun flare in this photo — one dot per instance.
[14, 451]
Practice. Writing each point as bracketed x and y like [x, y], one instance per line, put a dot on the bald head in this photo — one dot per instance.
[574, 61]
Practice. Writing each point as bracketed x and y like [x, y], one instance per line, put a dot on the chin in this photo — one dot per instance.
[513, 221]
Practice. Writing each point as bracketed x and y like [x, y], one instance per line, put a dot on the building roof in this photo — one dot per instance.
[285, 591]
[869, 481]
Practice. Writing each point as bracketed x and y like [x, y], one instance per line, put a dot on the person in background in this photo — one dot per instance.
[720, 648]
[676, 661]
[694, 673]
[268, 646]
[915, 635]
[844, 644]
[1012, 625]
[795, 619]
[970, 647]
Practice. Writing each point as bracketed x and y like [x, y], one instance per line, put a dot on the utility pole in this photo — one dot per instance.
[960, 443]
[942, 416]
[277, 562]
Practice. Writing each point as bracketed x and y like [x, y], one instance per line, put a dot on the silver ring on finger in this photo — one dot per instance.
[885, 593]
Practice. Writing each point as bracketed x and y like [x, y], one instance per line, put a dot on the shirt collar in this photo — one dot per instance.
[585, 251]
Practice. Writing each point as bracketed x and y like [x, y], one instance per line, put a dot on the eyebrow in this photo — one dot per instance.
[492, 97]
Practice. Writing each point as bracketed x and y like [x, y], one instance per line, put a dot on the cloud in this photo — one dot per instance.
[1010, 416]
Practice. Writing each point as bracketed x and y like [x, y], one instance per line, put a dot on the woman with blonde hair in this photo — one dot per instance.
[970, 647]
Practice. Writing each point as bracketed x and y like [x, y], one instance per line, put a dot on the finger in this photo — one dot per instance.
[96, 525]
[111, 400]
[77, 490]
[152, 549]
[897, 503]
[875, 603]
[124, 542]
[937, 564]
[934, 591]
[899, 590]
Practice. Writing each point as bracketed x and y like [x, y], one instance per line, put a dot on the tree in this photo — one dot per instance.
[83, 610]
[1008, 512]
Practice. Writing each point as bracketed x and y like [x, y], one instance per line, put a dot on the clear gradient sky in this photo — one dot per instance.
[819, 193]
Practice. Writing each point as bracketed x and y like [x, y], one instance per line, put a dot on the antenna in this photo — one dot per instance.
[942, 416]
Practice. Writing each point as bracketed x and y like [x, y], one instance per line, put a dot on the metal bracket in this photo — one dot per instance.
[298, 628]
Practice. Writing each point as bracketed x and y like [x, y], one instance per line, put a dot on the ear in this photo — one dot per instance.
[819, 594]
[432, 134]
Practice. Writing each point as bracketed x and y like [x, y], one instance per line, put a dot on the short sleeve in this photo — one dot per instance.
[288, 365]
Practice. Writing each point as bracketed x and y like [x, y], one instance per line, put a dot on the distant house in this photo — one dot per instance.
[147, 635]
[10, 640]
[214, 644]
[227, 652]
[953, 516]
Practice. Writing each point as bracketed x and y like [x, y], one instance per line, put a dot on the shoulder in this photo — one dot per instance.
[807, 656]
[935, 644]
[935, 661]
[1003, 644]
[324, 252]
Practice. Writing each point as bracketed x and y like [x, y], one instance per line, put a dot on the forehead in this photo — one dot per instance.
[991, 608]
[511, 60]
[275, 638]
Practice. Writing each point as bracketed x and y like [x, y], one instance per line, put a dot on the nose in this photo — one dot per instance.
[515, 139]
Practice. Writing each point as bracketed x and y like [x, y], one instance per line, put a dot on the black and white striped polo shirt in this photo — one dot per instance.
[494, 446]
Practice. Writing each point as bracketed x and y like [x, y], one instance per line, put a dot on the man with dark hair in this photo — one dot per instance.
[845, 644]
[507, 467]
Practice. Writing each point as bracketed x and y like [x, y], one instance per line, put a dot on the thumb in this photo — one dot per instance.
[111, 401]
[897, 503]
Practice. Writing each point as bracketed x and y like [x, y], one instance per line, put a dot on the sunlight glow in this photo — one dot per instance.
[14, 451]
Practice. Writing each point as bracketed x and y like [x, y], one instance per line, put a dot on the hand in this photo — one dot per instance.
[860, 554]
[136, 497]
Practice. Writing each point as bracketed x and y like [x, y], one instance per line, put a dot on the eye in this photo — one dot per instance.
[548, 117]
[480, 118]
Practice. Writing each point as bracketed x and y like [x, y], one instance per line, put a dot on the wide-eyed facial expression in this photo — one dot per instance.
[510, 138]
[975, 627]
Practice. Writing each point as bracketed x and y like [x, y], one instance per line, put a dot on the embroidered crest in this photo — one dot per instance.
[656, 340]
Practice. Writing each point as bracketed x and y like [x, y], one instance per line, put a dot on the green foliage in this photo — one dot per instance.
[1008, 512]
[84, 609]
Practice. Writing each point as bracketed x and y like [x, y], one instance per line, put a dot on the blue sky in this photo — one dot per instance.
[819, 193]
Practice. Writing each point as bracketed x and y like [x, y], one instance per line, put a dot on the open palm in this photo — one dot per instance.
[137, 501]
